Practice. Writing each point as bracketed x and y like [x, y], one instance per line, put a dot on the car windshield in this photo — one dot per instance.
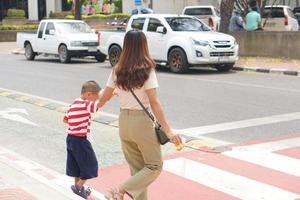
[73, 27]
[198, 11]
[273, 12]
[186, 24]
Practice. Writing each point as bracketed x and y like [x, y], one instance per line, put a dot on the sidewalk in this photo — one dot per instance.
[269, 65]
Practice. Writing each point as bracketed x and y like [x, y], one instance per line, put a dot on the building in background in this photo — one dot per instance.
[34, 9]
[167, 6]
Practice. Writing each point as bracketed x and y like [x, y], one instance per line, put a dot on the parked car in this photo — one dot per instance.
[296, 12]
[65, 38]
[176, 41]
[208, 14]
[279, 18]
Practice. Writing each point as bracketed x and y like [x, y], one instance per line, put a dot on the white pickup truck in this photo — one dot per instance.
[65, 38]
[176, 41]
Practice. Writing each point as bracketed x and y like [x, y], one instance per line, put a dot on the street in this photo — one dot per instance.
[255, 114]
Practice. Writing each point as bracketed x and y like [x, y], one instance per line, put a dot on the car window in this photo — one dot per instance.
[73, 27]
[50, 26]
[153, 24]
[186, 24]
[198, 11]
[273, 13]
[138, 23]
[40, 33]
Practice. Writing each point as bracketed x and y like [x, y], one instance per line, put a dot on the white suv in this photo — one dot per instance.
[279, 18]
[208, 14]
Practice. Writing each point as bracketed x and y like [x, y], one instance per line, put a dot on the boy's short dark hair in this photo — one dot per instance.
[90, 86]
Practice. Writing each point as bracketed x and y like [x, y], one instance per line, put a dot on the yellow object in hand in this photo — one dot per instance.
[179, 147]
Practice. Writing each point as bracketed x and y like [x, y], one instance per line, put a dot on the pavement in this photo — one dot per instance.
[279, 66]
[254, 169]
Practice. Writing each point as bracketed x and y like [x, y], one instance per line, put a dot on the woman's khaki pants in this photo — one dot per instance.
[141, 150]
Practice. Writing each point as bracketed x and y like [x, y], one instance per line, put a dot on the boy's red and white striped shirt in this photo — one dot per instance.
[78, 117]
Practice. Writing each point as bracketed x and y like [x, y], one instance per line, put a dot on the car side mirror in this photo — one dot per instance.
[52, 32]
[161, 29]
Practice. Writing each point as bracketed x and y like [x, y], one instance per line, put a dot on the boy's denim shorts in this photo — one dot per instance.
[81, 158]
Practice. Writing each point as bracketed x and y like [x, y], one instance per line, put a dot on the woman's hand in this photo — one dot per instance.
[174, 137]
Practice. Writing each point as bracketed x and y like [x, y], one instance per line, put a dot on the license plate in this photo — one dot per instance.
[92, 49]
[223, 58]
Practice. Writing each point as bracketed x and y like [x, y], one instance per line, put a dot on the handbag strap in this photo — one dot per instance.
[145, 109]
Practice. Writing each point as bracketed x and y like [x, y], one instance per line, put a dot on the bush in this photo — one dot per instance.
[59, 15]
[15, 13]
[101, 16]
[18, 28]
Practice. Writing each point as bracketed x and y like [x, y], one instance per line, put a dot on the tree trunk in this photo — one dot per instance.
[226, 12]
[78, 9]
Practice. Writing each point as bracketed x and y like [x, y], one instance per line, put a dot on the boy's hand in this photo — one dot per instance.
[65, 121]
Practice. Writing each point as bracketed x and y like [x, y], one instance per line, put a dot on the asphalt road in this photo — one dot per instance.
[198, 99]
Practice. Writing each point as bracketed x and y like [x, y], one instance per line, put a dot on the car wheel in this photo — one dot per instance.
[29, 54]
[64, 54]
[178, 61]
[224, 67]
[114, 54]
[100, 57]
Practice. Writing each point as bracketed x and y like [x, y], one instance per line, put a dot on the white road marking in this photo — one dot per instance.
[55, 101]
[229, 183]
[261, 154]
[272, 145]
[240, 124]
[10, 114]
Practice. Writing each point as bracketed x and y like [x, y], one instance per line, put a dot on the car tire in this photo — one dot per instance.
[224, 67]
[177, 61]
[64, 54]
[29, 53]
[100, 57]
[114, 54]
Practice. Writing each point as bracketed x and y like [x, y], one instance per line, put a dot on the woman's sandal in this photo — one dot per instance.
[114, 194]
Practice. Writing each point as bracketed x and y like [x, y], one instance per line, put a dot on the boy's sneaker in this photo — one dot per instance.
[84, 193]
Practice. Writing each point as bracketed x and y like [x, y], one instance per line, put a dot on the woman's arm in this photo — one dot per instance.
[105, 96]
[159, 114]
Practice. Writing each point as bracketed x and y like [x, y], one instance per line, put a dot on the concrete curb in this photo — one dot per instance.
[268, 70]
[105, 119]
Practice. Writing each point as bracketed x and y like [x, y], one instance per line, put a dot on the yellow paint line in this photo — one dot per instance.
[41, 103]
[5, 94]
[115, 123]
[23, 98]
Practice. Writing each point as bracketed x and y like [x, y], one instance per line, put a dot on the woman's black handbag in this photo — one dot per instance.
[160, 133]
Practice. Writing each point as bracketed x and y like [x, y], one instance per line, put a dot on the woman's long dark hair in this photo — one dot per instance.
[135, 63]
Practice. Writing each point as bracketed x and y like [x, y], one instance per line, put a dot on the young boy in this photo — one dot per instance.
[82, 163]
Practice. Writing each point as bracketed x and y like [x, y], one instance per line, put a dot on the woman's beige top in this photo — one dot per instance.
[127, 101]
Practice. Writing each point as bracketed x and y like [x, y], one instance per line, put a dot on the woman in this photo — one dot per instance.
[136, 71]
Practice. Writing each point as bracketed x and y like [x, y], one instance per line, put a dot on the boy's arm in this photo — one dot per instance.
[92, 107]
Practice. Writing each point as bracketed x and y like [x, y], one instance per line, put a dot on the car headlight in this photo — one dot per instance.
[200, 43]
[76, 43]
